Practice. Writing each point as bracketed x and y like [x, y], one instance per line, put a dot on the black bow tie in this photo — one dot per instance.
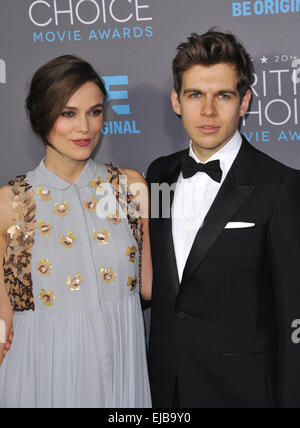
[190, 167]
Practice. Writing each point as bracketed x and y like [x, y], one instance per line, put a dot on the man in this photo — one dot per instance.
[226, 290]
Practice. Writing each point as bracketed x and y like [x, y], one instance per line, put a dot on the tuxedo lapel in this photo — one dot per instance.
[170, 177]
[235, 190]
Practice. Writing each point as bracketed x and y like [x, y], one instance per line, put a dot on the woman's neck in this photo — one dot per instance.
[64, 167]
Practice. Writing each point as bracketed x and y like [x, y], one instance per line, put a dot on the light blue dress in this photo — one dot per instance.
[84, 344]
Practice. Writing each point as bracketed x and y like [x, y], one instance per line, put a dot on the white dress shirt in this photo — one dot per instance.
[193, 198]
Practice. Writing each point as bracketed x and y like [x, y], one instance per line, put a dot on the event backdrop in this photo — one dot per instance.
[131, 43]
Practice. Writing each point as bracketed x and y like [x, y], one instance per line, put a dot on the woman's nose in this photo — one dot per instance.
[83, 124]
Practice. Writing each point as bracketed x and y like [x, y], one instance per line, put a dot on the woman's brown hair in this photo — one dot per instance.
[52, 86]
[214, 48]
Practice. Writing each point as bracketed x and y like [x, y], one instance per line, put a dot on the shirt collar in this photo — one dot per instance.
[52, 180]
[226, 155]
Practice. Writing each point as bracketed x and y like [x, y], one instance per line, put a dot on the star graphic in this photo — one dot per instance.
[264, 60]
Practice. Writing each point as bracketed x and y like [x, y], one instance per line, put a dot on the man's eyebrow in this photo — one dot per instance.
[75, 108]
[227, 91]
[191, 90]
[199, 91]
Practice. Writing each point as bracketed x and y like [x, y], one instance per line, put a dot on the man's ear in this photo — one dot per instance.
[176, 102]
[245, 103]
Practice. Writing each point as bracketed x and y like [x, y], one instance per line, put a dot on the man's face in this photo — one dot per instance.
[210, 106]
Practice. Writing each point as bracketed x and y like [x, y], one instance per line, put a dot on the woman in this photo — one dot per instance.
[76, 257]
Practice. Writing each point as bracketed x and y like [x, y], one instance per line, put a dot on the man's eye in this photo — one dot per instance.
[195, 95]
[224, 97]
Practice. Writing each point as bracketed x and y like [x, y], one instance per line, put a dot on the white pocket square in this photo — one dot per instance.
[239, 225]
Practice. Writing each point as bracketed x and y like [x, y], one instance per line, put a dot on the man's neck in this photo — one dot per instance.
[204, 154]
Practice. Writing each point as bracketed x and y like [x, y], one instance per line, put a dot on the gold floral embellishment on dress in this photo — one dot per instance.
[127, 201]
[101, 237]
[115, 218]
[68, 241]
[108, 275]
[47, 298]
[44, 227]
[61, 209]
[129, 205]
[20, 263]
[20, 236]
[44, 267]
[132, 283]
[74, 283]
[91, 205]
[131, 252]
[44, 194]
[20, 239]
[99, 185]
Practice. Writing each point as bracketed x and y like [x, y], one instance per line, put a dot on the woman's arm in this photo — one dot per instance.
[147, 270]
[137, 185]
[6, 310]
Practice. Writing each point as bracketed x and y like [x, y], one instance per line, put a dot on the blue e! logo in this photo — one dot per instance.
[121, 109]
[123, 125]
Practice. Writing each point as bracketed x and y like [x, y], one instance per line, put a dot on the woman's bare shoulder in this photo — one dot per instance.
[137, 185]
[133, 175]
[5, 196]
[6, 211]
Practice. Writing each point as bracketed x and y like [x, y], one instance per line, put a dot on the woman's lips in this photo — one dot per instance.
[83, 142]
[207, 129]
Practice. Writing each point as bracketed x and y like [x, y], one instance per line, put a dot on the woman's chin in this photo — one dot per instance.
[83, 154]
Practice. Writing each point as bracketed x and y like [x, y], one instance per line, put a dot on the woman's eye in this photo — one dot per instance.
[67, 114]
[70, 114]
[96, 112]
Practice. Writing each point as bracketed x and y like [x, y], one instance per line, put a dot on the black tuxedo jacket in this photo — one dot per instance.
[226, 331]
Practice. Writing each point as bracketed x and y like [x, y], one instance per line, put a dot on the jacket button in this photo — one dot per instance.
[181, 315]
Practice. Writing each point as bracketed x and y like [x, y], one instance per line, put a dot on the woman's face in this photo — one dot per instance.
[76, 132]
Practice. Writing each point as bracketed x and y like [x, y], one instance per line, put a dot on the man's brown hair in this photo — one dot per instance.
[214, 48]
[52, 86]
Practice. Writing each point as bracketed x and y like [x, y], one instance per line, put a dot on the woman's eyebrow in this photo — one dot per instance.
[90, 108]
